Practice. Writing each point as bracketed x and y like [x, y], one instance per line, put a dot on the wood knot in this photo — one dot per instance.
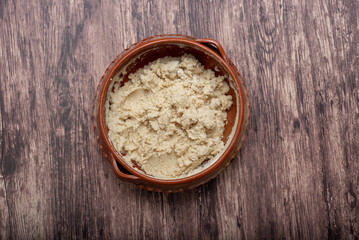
[356, 94]
[351, 198]
[296, 124]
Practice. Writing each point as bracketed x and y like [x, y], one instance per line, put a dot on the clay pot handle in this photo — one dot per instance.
[214, 45]
[121, 175]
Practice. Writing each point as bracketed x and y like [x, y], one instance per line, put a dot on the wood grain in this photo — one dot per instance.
[296, 177]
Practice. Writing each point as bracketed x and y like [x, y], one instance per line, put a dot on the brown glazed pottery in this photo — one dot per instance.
[211, 54]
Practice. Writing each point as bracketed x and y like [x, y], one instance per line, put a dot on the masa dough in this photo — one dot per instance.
[169, 117]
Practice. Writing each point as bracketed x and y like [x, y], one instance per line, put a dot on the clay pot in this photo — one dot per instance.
[211, 54]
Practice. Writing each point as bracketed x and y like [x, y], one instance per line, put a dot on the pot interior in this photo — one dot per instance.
[152, 52]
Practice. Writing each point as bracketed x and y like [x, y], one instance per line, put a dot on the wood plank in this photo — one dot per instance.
[296, 177]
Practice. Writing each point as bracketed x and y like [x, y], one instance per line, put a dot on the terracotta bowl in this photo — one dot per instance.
[211, 54]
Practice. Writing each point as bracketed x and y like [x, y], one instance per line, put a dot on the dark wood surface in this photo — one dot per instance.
[296, 177]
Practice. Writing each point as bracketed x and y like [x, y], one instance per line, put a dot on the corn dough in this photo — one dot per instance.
[169, 117]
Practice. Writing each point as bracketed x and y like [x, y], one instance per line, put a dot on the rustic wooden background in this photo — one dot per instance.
[296, 177]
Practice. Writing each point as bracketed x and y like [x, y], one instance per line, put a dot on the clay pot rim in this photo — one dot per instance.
[170, 39]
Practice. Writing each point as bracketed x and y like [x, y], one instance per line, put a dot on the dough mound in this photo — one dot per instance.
[169, 117]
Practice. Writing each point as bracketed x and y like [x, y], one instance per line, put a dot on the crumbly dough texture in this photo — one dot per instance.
[169, 117]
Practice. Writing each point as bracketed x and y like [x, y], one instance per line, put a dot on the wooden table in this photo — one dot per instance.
[296, 177]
